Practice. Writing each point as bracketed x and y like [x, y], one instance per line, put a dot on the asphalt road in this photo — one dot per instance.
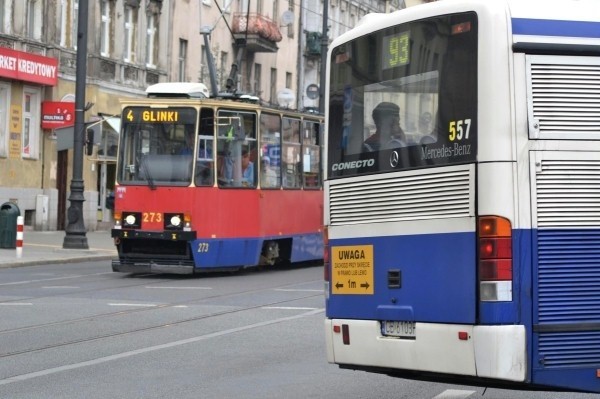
[80, 331]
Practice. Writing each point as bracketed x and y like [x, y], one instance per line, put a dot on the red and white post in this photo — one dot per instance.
[20, 221]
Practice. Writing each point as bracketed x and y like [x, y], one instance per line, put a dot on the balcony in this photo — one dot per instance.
[258, 31]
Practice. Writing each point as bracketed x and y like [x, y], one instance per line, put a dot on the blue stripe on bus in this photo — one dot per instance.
[438, 280]
[547, 27]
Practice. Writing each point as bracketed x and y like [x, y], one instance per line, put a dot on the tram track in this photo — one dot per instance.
[146, 309]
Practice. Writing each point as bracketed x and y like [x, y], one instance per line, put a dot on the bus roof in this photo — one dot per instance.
[539, 21]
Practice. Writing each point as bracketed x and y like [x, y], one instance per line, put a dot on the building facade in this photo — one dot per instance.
[271, 49]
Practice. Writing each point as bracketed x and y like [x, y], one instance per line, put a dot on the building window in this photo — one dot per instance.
[34, 19]
[257, 79]
[203, 65]
[68, 23]
[151, 40]
[31, 123]
[288, 80]
[5, 13]
[182, 59]
[290, 27]
[71, 8]
[224, 70]
[276, 11]
[273, 98]
[4, 112]
[130, 34]
[105, 28]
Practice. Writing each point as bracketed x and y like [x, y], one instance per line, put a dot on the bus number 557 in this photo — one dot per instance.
[458, 128]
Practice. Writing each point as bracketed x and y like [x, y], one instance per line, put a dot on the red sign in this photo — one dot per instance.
[28, 67]
[57, 114]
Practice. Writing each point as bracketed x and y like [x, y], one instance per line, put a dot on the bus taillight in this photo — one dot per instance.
[495, 259]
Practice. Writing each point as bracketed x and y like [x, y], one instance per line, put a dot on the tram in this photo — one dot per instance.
[212, 183]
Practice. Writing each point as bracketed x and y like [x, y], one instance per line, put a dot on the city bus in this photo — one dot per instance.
[465, 245]
[215, 183]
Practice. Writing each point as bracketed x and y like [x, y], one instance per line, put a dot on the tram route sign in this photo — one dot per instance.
[352, 270]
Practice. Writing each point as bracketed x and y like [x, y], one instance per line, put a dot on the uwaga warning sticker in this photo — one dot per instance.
[352, 270]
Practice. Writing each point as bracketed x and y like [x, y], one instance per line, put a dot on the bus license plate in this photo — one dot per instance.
[403, 329]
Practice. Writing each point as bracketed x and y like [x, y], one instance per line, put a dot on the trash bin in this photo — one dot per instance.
[9, 213]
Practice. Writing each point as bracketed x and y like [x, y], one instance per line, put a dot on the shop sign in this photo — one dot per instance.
[28, 67]
[57, 114]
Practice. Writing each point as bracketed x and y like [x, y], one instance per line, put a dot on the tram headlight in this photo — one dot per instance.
[131, 220]
[174, 221]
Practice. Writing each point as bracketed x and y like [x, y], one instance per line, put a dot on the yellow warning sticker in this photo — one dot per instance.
[352, 270]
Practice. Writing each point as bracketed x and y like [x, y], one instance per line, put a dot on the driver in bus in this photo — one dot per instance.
[388, 133]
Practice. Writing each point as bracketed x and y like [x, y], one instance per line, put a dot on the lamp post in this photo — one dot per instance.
[75, 237]
[324, 45]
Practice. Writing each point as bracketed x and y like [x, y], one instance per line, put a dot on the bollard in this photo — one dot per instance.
[19, 236]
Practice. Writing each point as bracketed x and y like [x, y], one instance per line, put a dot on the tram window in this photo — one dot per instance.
[204, 161]
[205, 158]
[270, 151]
[291, 162]
[311, 155]
[236, 149]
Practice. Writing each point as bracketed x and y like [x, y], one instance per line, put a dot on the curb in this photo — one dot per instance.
[39, 262]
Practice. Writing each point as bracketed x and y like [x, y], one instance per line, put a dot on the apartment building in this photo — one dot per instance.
[275, 46]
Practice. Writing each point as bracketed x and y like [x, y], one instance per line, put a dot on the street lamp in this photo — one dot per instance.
[75, 237]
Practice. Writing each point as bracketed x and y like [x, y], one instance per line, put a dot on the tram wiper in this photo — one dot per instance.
[146, 171]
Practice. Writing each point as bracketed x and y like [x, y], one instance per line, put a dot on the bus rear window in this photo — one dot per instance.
[404, 98]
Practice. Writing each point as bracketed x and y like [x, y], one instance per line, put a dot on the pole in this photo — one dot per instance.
[324, 45]
[75, 237]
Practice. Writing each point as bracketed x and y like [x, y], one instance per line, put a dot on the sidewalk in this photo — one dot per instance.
[44, 247]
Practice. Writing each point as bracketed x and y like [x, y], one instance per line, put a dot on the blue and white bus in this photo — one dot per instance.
[467, 246]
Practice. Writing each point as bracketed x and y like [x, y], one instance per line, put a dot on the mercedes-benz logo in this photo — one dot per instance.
[394, 158]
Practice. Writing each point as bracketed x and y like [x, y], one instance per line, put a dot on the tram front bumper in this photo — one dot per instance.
[153, 251]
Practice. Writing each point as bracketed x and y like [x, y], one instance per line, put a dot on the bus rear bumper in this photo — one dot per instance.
[496, 352]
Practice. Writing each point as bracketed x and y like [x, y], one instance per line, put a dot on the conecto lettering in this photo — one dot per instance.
[353, 164]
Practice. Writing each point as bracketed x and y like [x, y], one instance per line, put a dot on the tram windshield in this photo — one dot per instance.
[157, 146]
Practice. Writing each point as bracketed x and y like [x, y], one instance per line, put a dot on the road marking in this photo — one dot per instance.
[454, 394]
[16, 304]
[296, 290]
[179, 288]
[287, 308]
[54, 370]
[61, 286]
[44, 279]
[148, 305]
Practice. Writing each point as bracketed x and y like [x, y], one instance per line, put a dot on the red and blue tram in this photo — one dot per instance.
[211, 184]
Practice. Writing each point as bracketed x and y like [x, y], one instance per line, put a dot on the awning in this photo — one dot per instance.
[114, 122]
